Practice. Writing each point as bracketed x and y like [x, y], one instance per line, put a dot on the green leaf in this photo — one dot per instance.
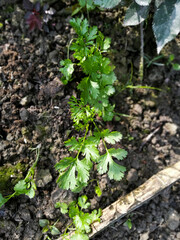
[64, 163]
[92, 33]
[109, 137]
[68, 179]
[115, 170]
[83, 170]
[43, 222]
[143, 2]
[113, 137]
[119, 153]
[135, 14]
[82, 3]
[176, 66]
[2, 200]
[62, 206]
[82, 201]
[128, 223]
[98, 190]
[67, 70]
[54, 231]
[166, 23]
[90, 150]
[82, 222]
[73, 209]
[95, 215]
[73, 144]
[107, 3]
[21, 187]
[45, 229]
[79, 236]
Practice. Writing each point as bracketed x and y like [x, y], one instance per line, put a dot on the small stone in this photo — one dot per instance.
[132, 175]
[25, 100]
[43, 177]
[144, 236]
[60, 195]
[53, 57]
[25, 215]
[24, 114]
[173, 219]
[170, 128]
[149, 103]
[178, 235]
[137, 109]
[9, 137]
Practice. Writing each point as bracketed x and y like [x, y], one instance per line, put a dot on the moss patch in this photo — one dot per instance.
[9, 176]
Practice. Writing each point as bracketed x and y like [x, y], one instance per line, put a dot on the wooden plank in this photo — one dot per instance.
[126, 204]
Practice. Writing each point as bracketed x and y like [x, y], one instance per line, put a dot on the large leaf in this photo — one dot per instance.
[135, 14]
[166, 23]
[143, 2]
[107, 3]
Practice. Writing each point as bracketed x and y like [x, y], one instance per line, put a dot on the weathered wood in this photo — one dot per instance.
[126, 204]
[148, 190]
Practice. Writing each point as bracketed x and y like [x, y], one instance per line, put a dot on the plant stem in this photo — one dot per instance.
[141, 64]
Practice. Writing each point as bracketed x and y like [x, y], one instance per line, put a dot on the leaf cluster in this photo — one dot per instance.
[166, 19]
[37, 16]
[74, 172]
[25, 186]
[81, 220]
[97, 85]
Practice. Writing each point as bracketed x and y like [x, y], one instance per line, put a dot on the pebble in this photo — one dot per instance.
[132, 175]
[170, 128]
[61, 195]
[43, 177]
[144, 236]
[173, 219]
[137, 109]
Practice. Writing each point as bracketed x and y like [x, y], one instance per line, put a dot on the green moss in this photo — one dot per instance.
[9, 176]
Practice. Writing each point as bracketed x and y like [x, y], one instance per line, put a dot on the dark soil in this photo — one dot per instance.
[34, 110]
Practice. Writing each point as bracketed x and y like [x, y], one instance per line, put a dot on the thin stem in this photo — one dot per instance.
[87, 129]
[69, 47]
[102, 138]
[141, 64]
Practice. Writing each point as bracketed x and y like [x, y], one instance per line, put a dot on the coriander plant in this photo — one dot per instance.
[95, 88]
[80, 220]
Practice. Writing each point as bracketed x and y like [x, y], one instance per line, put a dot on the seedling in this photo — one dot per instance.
[37, 16]
[26, 186]
[81, 220]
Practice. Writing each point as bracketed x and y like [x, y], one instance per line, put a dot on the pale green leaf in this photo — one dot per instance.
[67, 180]
[116, 171]
[98, 190]
[21, 187]
[67, 70]
[119, 153]
[143, 2]
[54, 231]
[82, 222]
[107, 3]
[83, 170]
[2, 200]
[166, 23]
[43, 222]
[79, 236]
[82, 201]
[135, 14]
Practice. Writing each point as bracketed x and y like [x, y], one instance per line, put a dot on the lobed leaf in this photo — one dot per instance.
[166, 22]
[107, 3]
[143, 2]
[135, 14]
[82, 201]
